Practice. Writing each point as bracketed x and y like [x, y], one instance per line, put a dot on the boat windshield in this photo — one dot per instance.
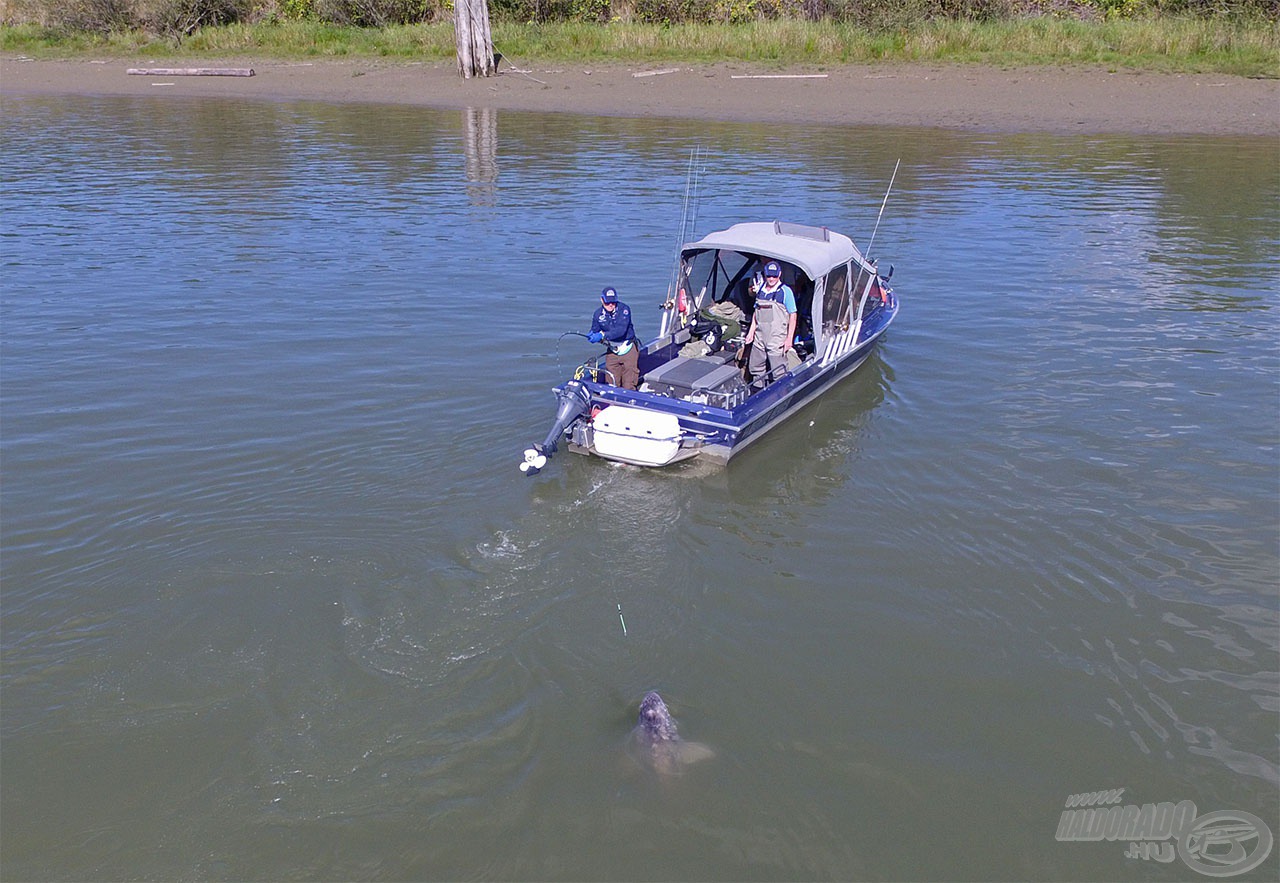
[713, 275]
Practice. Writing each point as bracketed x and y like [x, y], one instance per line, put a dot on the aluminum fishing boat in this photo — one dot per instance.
[695, 398]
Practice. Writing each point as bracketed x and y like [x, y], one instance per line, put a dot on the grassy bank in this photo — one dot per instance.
[1247, 48]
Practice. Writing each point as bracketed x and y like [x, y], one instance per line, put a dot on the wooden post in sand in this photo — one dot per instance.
[471, 35]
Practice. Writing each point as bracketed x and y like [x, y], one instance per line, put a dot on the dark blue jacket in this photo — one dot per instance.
[615, 327]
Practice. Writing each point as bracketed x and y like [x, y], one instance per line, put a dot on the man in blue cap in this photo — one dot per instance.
[773, 327]
[611, 325]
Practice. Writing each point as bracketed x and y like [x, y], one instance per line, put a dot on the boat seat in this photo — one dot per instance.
[687, 376]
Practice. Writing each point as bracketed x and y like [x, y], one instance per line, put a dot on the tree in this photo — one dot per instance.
[472, 37]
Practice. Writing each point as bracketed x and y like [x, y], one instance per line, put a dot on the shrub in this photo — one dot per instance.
[184, 17]
[597, 11]
[374, 13]
[92, 16]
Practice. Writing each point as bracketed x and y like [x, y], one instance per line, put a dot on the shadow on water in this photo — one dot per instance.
[808, 458]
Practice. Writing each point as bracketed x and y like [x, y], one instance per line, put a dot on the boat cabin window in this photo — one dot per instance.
[835, 300]
[859, 287]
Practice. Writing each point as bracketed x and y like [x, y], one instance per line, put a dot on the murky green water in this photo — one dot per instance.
[278, 605]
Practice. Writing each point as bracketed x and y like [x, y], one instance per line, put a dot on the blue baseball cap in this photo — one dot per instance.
[772, 269]
[609, 296]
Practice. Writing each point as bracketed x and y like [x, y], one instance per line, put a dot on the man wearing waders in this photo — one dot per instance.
[773, 327]
[611, 325]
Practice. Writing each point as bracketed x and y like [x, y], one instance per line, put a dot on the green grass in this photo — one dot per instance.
[1247, 48]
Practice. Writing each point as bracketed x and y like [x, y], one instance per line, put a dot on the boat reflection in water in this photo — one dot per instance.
[695, 399]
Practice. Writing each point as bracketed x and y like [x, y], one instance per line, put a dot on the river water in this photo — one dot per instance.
[277, 603]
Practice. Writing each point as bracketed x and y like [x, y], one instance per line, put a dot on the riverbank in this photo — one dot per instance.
[967, 97]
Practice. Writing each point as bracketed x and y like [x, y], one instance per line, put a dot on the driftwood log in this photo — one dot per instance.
[472, 37]
[191, 71]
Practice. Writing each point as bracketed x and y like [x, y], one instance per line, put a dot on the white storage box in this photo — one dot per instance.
[635, 436]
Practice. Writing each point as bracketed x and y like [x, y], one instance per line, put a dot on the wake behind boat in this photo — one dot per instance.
[696, 397]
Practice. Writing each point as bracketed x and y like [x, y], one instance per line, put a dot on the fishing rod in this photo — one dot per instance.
[697, 182]
[883, 203]
[562, 337]
[867, 254]
[868, 261]
[687, 222]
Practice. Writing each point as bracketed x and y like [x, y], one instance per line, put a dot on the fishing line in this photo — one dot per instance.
[562, 337]
[623, 621]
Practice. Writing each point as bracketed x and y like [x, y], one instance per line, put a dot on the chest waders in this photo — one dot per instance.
[769, 350]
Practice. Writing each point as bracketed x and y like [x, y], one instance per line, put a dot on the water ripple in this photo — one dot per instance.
[276, 598]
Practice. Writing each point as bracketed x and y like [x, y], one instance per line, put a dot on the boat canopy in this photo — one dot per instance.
[815, 250]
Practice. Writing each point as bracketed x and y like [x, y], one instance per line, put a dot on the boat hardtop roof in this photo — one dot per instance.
[815, 250]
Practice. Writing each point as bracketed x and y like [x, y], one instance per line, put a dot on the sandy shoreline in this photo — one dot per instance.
[952, 97]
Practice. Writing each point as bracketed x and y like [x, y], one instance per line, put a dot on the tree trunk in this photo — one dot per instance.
[471, 35]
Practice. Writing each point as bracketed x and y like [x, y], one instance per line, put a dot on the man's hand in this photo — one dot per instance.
[595, 337]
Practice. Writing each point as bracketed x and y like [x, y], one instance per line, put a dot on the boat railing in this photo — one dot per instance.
[593, 371]
[725, 399]
[769, 377]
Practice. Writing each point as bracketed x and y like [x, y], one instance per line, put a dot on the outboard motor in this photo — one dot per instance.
[573, 401]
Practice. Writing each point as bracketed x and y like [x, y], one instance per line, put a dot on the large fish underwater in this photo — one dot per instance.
[656, 743]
